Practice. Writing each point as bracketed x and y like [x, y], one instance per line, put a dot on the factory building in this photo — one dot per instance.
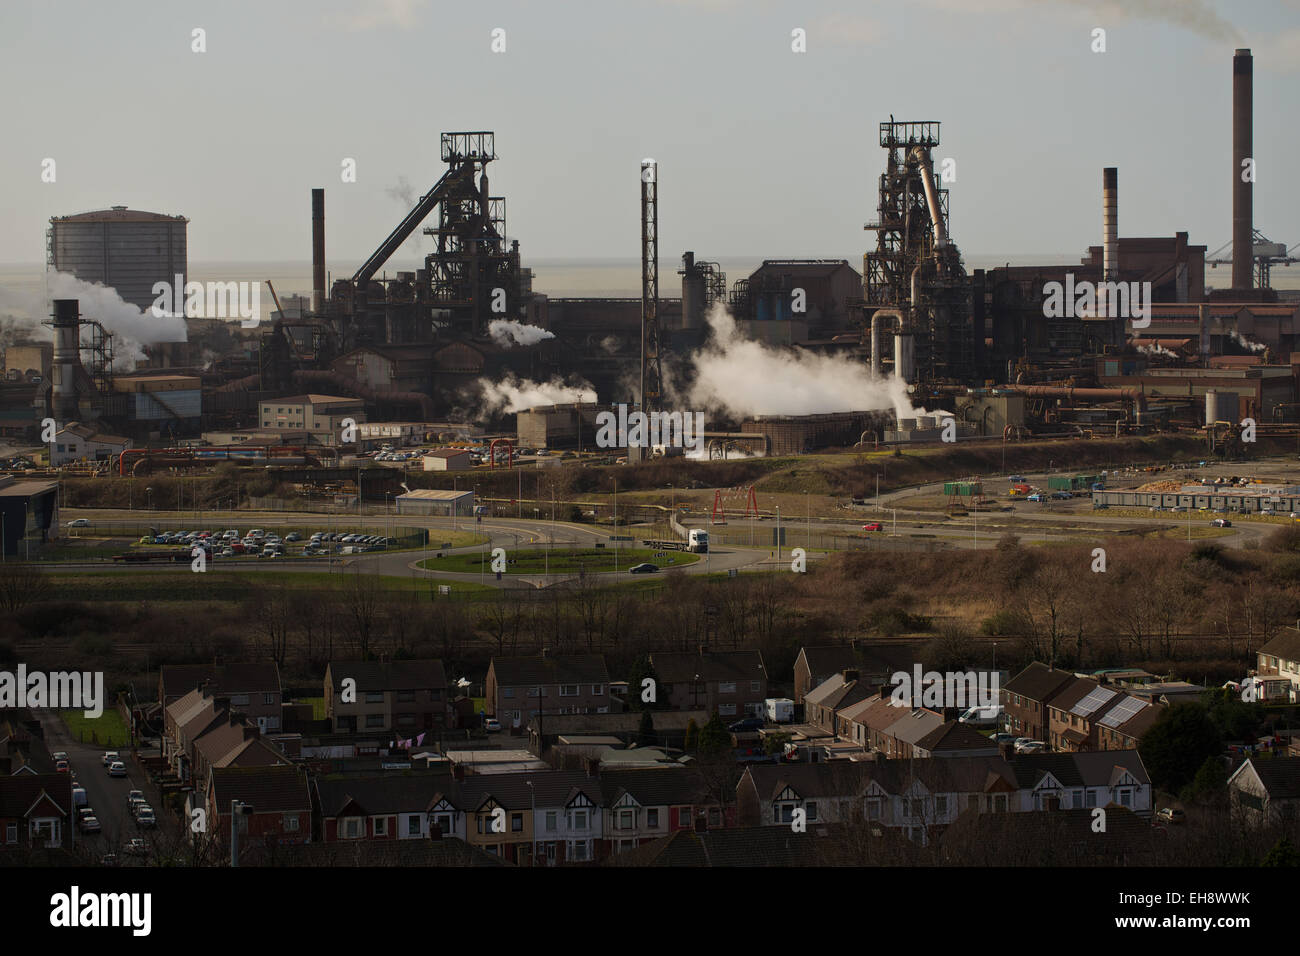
[447, 459]
[1251, 499]
[559, 426]
[168, 403]
[799, 434]
[1264, 392]
[320, 416]
[77, 442]
[764, 304]
[29, 514]
[28, 361]
[127, 249]
[436, 502]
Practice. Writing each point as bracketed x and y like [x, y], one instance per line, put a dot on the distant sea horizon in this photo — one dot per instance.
[558, 277]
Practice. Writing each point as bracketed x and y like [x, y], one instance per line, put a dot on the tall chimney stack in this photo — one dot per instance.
[1110, 236]
[317, 251]
[65, 363]
[1243, 241]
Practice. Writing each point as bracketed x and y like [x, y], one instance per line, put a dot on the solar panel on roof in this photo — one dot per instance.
[1124, 711]
[1094, 700]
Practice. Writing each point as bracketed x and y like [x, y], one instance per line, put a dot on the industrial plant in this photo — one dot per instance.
[465, 344]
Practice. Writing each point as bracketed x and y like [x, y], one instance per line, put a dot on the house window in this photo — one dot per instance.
[508, 693]
[443, 820]
[727, 710]
[812, 810]
[1076, 799]
[552, 819]
[755, 686]
[413, 824]
[727, 687]
[516, 823]
[783, 812]
[374, 697]
[569, 690]
[352, 828]
[238, 700]
[405, 696]
[941, 806]
[973, 802]
[268, 700]
[11, 833]
[873, 808]
[290, 822]
[374, 720]
[1125, 797]
[652, 818]
[578, 850]
[1000, 803]
[406, 720]
[579, 819]
[626, 820]
[597, 690]
[435, 695]
[916, 807]
[381, 826]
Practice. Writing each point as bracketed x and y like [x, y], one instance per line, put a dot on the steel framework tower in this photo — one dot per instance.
[651, 369]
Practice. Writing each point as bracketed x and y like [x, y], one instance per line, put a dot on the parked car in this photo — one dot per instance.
[62, 766]
[1171, 815]
[1221, 523]
[748, 723]
[60, 755]
[1036, 496]
[117, 769]
[643, 569]
[108, 757]
[90, 824]
[132, 799]
[491, 725]
[1030, 746]
[999, 739]
[79, 523]
[145, 819]
[1061, 496]
[872, 526]
[137, 847]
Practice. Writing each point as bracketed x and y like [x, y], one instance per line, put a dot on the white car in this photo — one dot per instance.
[1030, 746]
[117, 769]
[79, 523]
[109, 757]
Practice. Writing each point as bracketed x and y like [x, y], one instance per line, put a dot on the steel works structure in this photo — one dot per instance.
[916, 269]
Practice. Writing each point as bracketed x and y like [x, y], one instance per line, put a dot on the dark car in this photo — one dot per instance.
[749, 723]
[643, 569]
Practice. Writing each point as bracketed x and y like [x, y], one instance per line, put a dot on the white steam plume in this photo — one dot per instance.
[744, 377]
[513, 394]
[1156, 350]
[1246, 343]
[508, 332]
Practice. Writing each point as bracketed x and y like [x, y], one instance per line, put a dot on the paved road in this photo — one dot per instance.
[105, 794]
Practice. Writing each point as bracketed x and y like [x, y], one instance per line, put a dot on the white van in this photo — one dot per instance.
[982, 716]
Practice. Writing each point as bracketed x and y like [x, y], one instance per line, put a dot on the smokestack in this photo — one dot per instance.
[1110, 236]
[66, 360]
[317, 250]
[1243, 240]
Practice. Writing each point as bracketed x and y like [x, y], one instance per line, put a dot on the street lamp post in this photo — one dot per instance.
[778, 534]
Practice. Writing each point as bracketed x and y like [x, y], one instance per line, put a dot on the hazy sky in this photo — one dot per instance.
[762, 151]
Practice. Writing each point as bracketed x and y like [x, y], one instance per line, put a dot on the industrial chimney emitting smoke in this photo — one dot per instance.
[66, 360]
[317, 250]
[1243, 240]
[1110, 236]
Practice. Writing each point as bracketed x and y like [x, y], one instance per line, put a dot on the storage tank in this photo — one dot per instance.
[127, 249]
[693, 293]
[904, 357]
[1220, 406]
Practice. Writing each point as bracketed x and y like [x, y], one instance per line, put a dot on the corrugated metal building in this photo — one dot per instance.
[128, 249]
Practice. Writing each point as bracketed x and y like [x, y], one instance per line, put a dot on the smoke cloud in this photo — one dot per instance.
[1156, 350]
[513, 394]
[508, 332]
[1198, 16]
[21, 315]
[1246, 344]
[743, 377]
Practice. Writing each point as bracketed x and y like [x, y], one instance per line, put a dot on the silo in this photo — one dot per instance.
[693, 293]
[1220, 406]
[65, 367]
[127, 249]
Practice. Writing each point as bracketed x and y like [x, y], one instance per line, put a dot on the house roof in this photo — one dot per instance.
[280, 789]
[552, 669]
[811, 780]
[869, 657]
[1056, 838]
[743, 846]
[1285, 645]
[954, 735]
[1279, 775]
[1038, 682]
[235, 678]
[711, 666]
[655, 786]
[630, 722]
[914, 725]
[20, 793]
[375, 676]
